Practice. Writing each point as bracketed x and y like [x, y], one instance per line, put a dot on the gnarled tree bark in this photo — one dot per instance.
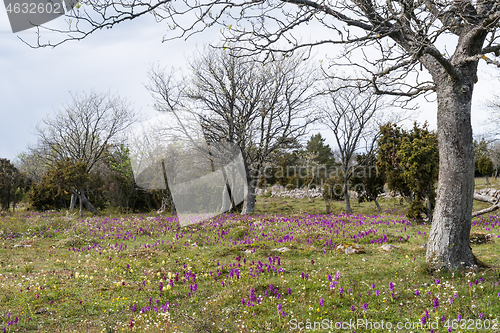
[454, 79]
[448, 245]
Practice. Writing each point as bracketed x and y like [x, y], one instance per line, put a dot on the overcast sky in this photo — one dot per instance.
[35, 82]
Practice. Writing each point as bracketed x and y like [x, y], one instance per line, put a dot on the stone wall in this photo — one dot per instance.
[297, 193]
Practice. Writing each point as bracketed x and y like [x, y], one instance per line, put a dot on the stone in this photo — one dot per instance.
[354, 250]
[480, 238]
[350, 249]
[40, 311]
[281, 249]
[388, 247]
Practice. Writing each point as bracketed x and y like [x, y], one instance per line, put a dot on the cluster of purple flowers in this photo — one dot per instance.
[11, 321]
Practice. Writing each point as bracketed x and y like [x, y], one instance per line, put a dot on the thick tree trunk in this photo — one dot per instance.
[81, 204]
[309, 187]
[168, 201]
[448, 245]
[225, 200]
[347, 198]
[328, 206]
[327, 195]
[88, 205]
[252, 175]
[163, 206]
[72, 203]
[249, 201]
[167, 204]
[228, 203]
[428, 207]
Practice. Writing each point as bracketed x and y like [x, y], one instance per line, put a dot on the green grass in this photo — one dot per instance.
[94, 291]
[480, 182]
[286, 206]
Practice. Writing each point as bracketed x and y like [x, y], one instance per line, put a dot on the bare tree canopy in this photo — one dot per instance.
[84, 130]
[447, 38]
[493, 121]
[415, 26]
[351, 114]
[31, 165]
[259, 107]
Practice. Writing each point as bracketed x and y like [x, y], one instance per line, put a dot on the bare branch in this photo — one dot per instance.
[447, 65]
[84, 130]
[485, 211]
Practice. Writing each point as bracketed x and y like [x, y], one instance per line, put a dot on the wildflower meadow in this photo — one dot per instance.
[268, 272]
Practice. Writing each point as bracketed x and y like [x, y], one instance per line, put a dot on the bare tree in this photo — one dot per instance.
[307, 160]
[86, 129]
[156, 146]
[31, 165]
[495, 156]
[350, 113]
[404, 38]
[260, 107]
[493, 121]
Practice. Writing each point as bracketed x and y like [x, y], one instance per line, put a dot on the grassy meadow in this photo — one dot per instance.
[288, 268]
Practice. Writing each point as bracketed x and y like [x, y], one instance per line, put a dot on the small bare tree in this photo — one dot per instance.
[83, 130]
[495, 156]
[308, 161]
[350, 113]
[157, 152]
[31, 165]
[493, 121]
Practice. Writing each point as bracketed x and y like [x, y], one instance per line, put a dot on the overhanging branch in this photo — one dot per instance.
[328, 10]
